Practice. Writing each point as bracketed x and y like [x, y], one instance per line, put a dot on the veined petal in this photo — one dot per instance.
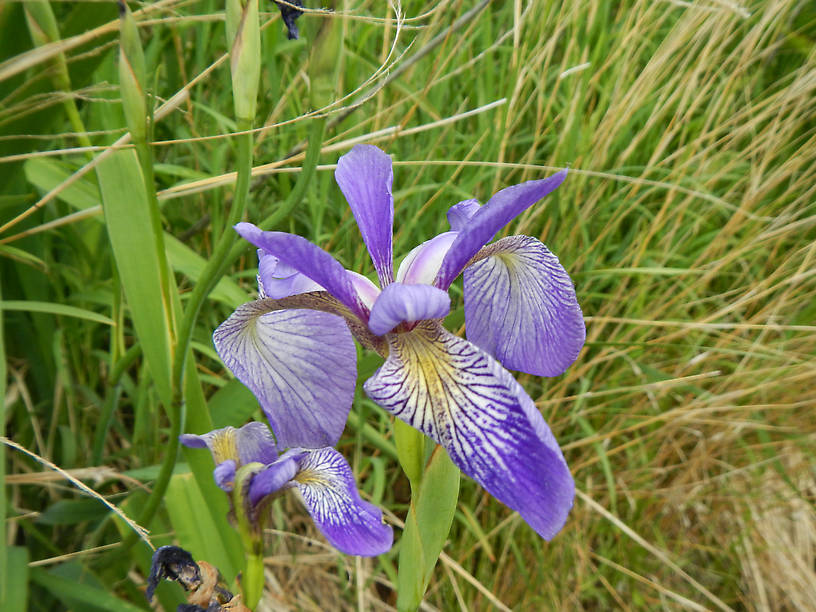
[300, 364]
[278, 280]
[462, 398]
[520, 307]
[421, 264]
[502, 208]
[274, 477]
[328, 490]
[308, 259]
[252, 442]
[365, 178]
[408, 303]
[459, 215]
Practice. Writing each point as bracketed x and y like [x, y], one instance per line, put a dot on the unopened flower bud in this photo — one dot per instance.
[244, 41]
[132, 75]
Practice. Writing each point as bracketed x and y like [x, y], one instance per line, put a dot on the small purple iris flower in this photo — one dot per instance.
[321, 476]
[294, 347]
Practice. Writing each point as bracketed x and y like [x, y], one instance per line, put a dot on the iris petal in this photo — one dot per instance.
[273, 478]
[252, 442]
[300, 364]
[421, 264]
[466, 401]
[459, 215]
[408, 303]
[329, 492]
[308, 259]
[502, 208]
[365, 178]
[224, 474]
[277, 280]
[520, 307]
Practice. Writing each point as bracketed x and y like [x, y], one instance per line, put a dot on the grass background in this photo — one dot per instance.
[687, 222]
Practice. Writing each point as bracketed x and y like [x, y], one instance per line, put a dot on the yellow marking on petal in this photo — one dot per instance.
[311, 478]
[223, 446]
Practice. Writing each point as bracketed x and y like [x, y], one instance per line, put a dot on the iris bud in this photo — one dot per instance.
[244, 42]
[132, 75]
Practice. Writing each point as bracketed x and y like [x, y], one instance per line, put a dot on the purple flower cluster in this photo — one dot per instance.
[294, 348]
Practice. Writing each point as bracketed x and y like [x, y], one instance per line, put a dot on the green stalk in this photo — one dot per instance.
[220, 260]
[296, 195]
[252, 581]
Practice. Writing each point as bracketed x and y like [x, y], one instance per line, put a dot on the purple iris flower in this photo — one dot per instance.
[321, 476]
[294, 347]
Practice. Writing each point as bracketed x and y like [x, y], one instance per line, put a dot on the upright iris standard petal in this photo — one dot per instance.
[421, 264]
[407, 303]
[520, 307]
[300, 364]
[466, 401]
[489, 219]
[365, 177]
[328, 490]
[309, 260]
[255, 444]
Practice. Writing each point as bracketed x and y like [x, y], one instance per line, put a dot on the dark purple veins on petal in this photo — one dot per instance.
[520, 306]
[463, 399]
[329, 492]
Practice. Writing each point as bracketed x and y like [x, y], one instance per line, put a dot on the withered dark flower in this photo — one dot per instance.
[289, 14]
[202, 581]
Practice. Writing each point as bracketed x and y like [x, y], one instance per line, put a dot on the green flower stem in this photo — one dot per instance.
[252, 582]
[220, 261]
[175, 409]
[296, 195]
[176, 414]
[209, 278]
[434, 493]
[250, 525]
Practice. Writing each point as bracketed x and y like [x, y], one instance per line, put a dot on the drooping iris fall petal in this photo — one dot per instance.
[520, 306]
[328, 490]
[300, 364]
[462, 398]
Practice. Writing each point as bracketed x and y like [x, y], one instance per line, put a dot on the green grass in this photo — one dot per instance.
[688, 222]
